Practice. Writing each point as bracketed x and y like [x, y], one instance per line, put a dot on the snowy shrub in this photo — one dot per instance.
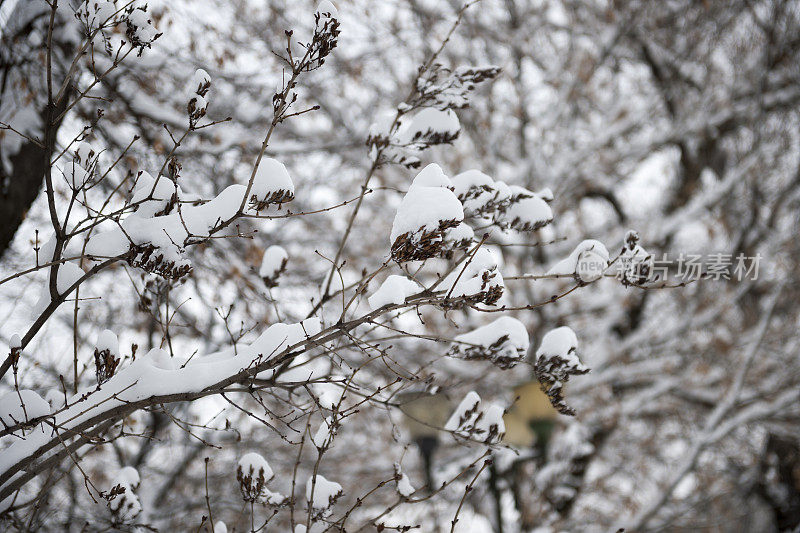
[131, 206]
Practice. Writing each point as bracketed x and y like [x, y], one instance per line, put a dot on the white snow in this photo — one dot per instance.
[428, 122]
[325, 432]
[460, 235]
[423, 210]
[98, 12]
[489, 341]
[15, 342]
[85, 154]
[325, 492]
[403, 482]
[159, 358]
[220, 527]
[254, 465]
[326, 8]
[587, 262]
[561, 342]
[125, 506]
[55, 398]
[152, 195]
[432, 176]
[477, 277]
[394, 290]
[479, 193]
[138, 23]
[12, 411]
[198, 80]
[471, 420]
[273, 262]
[129, 476]
[141, 380]
[528, 213]
[271, 178]
[107, 340]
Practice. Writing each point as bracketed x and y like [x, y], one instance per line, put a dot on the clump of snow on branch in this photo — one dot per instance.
[504, 342]
[106, 350]
[394, 290]
[507, 207]
[84, 165]
[478, 281]
[321, 494]
[561, 476]
[432, 176]
[526, 211]
[199, 86]
[140, 30]
[19, 407]
[122, 501]
[157, 244]
[253, 473]
[271, 185]
[457, 238]
[427, 119]
[324, 435]
[326, 34]
[449, 89]
[424, 215]
[428, 127]
[402, 482]
[97, 14]
[152, 198]
[273, 264]
[556, 361]
[327, 9]
[479, 193]
[587, 262]
[474, 421]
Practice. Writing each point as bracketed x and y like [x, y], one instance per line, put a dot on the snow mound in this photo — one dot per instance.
[273, 264]
[478, 280]
[16, 408]
[321, 493]
[402, 482]
[271, 185]
[425, 213]
[587, 262]
[428, 127]
[394, 290]
[473, 421]
[432, 176]
[504, 342]
[556, 361]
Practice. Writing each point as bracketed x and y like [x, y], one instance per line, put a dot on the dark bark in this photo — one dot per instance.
[21, 186]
